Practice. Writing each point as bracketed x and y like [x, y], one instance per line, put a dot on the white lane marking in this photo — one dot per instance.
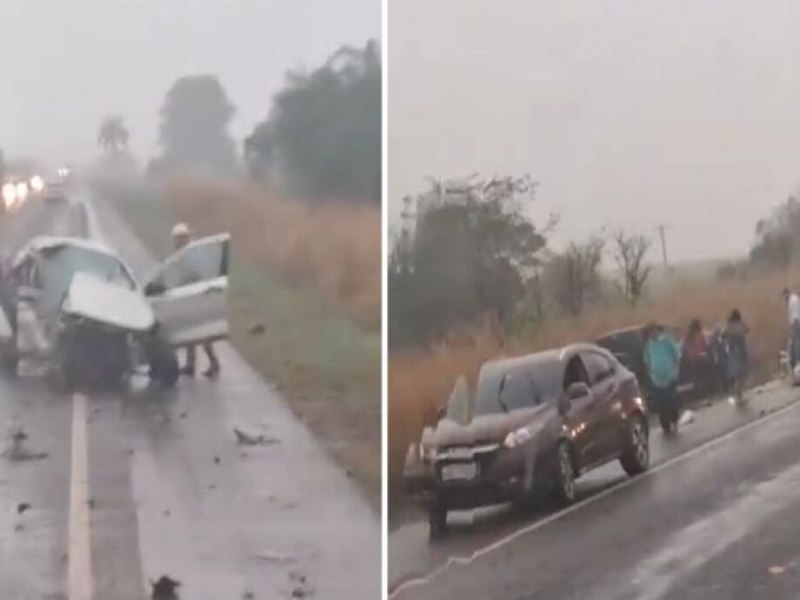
[690, 548]
[80, 554]
[467, 560]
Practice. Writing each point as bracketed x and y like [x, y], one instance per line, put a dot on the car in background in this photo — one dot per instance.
[76, 305]
[55, 192]
[627, 346]
[537, 423]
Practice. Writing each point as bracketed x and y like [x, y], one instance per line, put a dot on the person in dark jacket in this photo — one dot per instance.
[735, 336]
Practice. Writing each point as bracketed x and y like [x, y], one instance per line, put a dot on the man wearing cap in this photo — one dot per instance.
[181, 236]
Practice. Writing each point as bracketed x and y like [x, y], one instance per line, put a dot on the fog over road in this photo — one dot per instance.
[167, 490]
[716, 517]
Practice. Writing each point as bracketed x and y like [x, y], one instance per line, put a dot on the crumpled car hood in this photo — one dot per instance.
[108, 303]
[488, 428]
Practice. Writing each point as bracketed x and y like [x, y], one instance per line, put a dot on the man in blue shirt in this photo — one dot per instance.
[662, 355]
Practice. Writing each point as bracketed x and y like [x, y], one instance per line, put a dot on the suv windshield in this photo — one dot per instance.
[505, 390]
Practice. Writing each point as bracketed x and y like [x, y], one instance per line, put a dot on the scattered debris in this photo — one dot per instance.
[686, 418]
[776, 570]
[22, 507]
[257, 329]
[249, 439]
[91, 503]
[217, 460]
[17, 451]
[184, 414]
[165, 588]
[762, 412]
[19, 527]
[166, 513]
[248, 596]
[300, 589]
[348, 472]
[212, 486]
[276, 557]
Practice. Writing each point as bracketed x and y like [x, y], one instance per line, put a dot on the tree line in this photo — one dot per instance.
[776, 245]
[469, 251]
[320, 140]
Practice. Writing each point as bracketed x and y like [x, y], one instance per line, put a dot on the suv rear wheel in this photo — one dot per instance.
[635, 457]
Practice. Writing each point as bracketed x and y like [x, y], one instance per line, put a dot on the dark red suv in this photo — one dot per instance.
[535, 423]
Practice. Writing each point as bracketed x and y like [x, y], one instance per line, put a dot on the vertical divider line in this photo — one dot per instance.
[80, 582]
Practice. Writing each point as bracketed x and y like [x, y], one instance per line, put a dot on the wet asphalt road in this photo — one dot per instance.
[168, 491]
[718, 516]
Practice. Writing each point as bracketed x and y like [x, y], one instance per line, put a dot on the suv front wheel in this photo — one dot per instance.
[635, 457]
[565, 475]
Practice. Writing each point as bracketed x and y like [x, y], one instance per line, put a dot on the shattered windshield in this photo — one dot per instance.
[61, 263]
[458, 405]
[502, 391]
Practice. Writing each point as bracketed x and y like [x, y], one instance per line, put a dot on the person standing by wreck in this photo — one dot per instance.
[662, 355]
[793, 310]
[181, 237]
[735, 336]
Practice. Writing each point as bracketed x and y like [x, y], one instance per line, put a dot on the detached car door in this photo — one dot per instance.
[188, 293]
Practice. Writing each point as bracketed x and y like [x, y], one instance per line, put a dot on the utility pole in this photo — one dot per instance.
[661, 232]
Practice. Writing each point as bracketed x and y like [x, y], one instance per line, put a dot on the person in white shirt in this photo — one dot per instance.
[181, 237]
[793, 309]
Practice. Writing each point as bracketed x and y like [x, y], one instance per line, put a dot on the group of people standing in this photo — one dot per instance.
[724, 351]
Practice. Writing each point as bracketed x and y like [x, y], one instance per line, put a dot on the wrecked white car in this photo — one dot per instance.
[75, 305]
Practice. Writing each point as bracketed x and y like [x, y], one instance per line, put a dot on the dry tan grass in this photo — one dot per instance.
[336, 248]
[421, 381]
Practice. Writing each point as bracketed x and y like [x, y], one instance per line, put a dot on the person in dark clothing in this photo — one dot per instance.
[735, 336]
[695, 357]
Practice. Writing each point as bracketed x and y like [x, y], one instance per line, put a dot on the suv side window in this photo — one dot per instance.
[599, 367]
[575, 373]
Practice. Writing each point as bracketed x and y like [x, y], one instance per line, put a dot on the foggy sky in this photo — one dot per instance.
[67, 63]
[628, 113]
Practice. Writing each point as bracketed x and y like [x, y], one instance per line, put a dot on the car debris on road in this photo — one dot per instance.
[248, 439]
[17, 450]
[165, 588]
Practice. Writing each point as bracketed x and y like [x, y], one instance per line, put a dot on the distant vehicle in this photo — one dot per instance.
[85, 315]
[627, 346]
[55, 192]
[538, 422]
[14, 192]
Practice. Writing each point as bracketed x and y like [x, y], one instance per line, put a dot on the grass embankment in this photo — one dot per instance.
[420, 380]
[311, 277]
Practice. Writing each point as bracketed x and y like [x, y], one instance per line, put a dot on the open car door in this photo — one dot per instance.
[188, 293]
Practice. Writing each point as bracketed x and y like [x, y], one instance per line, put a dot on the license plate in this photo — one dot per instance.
[459, 472]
